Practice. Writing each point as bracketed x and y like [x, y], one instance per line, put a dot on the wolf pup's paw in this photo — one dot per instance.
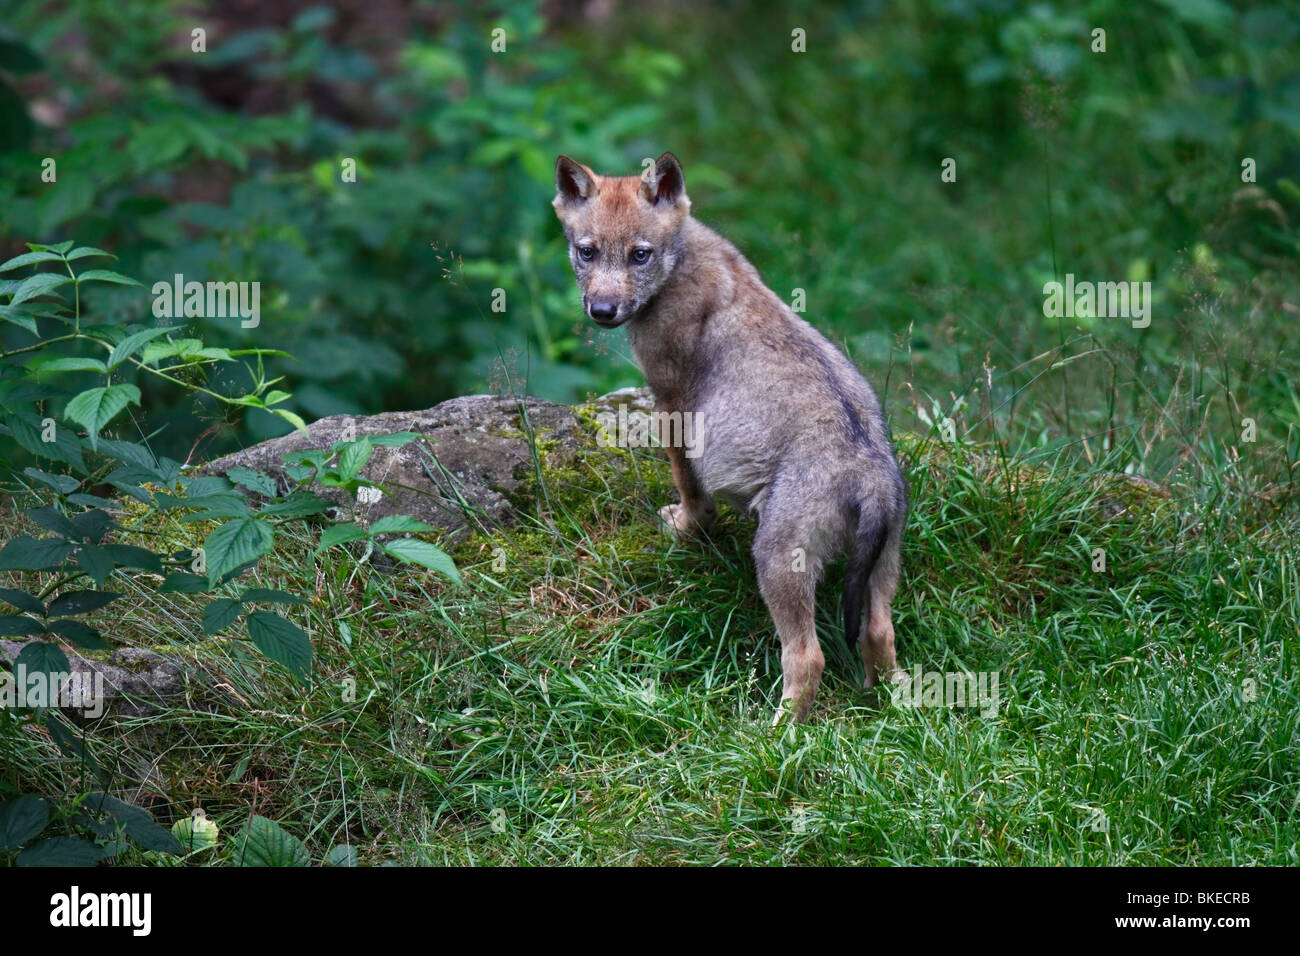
[680, 521]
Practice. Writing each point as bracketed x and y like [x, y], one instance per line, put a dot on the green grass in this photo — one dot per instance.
[605, 698]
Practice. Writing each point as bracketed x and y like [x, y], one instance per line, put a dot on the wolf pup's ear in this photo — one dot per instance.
[573, 181]
[665, 184]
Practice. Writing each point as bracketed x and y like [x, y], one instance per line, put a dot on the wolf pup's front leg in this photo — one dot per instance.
[696, 513]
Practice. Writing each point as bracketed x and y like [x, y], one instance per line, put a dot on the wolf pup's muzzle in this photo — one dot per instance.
[606, 313]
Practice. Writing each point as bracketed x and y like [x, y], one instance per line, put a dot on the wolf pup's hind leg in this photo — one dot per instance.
[875, 633]
[877, 645]
[789, 591]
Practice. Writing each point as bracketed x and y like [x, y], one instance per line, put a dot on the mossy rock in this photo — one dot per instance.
[475, 463]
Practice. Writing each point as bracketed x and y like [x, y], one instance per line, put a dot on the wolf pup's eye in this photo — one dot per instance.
[587, 253]
[640, 256]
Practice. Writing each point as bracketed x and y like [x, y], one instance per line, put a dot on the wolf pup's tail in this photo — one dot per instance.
[868, 540]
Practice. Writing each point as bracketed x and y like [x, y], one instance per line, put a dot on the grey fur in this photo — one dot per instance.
[786, 426]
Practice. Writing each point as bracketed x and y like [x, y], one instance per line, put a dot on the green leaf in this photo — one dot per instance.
[61, 851]
[91, 501]
[92, 525]
[132, 343]
[130, 481]
[281, 640]
[81, 602]
[129, 556]
[206, 485]
[186, 349]
[22, 819]
[42, 657]
[393, 524]
[83, 635]
[63, 484]
[253, 480]
[182, 583]
[298, 505]
[314, 457]
[72, 198]
[264, 842]
[52, 519]
[95, 562]
[40, 284]
[23, 601]
[354, 457]
[342, 855]
[220, 614]
[104, 275]
[129, 453]
[294, 420]
[414, 551]
[27, 312]
[339, 534]
[71, 364]
[136, 822]
[82, 252]
[236, 543]
[34, 554]
[29, 258]
[236, 572]
[195, 833]
[17, 625]
[20, 318]
[96, 407]
[217, 507]
[269, 596]
[28, 431]
[69, 742]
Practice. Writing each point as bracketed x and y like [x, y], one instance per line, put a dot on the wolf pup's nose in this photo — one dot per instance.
[603, 311]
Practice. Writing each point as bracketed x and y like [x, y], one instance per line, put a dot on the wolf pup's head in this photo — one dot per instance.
[624, 233]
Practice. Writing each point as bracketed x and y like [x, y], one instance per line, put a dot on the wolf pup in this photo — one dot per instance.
[786, 426]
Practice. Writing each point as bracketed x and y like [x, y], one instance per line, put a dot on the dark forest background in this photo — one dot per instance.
[822, 166]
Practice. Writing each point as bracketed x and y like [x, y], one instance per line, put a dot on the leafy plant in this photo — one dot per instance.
[84, 538]
[261, 842]
[96, 827]
[340, 467]
[39, 409]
